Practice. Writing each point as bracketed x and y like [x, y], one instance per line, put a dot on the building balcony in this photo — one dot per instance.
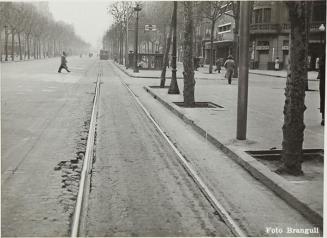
[279, 28]
[259, 28]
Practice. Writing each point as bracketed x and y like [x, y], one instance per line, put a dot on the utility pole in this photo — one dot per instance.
[242, 100]
[137, 9]
[173, 88]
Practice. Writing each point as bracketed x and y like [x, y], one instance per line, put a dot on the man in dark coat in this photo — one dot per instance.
[230, 66]
[63, 64]
[321, 77]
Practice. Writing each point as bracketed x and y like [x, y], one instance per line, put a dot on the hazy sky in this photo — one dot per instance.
[90, 18]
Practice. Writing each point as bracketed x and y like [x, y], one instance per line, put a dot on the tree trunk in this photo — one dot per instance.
[6, 44]
[121, 41]
[188, 73]
[40, 52]
[28, 47]
[166, 55]
[293, 128]
[173, 87]
[20, 47]
[54, 48]
[307, 27]
[126, 45]
[12, 45]
[211, 46]
[34, 49]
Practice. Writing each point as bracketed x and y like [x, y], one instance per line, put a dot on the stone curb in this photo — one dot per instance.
[153, 77]
[277, 76]
[273, 181]
[157, 77]
[143, 77]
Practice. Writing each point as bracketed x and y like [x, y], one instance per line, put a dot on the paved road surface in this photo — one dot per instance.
[43, 115]
[138, 188]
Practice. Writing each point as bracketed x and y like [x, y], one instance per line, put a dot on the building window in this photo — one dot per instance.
[263, 43]
[262, 15]
[266, 15]
[224, 28]
[258, 16]
[285, 42]
[319, 11]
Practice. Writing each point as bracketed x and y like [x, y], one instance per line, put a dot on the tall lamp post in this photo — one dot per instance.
[137, 9]
[242, 100]
[322, 30]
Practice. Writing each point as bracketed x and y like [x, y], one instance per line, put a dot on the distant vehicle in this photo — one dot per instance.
[104, 55]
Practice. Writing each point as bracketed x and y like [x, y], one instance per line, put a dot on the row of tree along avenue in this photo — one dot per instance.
[175, 24]
[31, 33]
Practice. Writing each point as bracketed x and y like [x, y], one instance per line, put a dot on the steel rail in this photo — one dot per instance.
[233, 226]
[87, 160]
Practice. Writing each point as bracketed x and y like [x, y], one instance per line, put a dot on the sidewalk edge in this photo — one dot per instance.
[276, 76]
[272, 181]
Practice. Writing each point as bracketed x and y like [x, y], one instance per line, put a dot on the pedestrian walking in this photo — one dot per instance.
[63, 64]
[230, 66]
[277, 64]
[218, 66]
[321, 77]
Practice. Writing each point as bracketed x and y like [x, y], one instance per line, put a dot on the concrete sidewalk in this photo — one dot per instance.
[203, 73]
[264, 132]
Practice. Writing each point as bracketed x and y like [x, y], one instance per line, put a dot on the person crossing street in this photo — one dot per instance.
[63, 64]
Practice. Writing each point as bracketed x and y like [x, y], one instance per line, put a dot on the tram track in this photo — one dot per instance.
[87, 162]
[81, 203]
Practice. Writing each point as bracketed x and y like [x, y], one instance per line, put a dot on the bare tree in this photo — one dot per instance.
[122, 12]
[188, 73]
[166, 54]
[293, 128]
[212, 10]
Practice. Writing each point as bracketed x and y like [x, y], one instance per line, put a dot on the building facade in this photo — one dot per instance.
[269, 34]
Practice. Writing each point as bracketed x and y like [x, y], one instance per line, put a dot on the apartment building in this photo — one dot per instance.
[270, 29]
[269, 34]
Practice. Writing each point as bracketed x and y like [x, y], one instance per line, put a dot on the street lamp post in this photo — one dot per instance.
[137, 9]
[242, 101]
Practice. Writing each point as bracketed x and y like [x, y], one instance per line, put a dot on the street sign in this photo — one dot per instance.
[150, 27]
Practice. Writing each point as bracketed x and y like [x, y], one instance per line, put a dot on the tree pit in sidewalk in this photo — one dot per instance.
[156, 86]
[199, 105]
[312, 165]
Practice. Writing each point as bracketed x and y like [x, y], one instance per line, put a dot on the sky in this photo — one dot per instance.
[89, 18]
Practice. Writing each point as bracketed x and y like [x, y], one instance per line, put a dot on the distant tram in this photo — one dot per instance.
[104, 55]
